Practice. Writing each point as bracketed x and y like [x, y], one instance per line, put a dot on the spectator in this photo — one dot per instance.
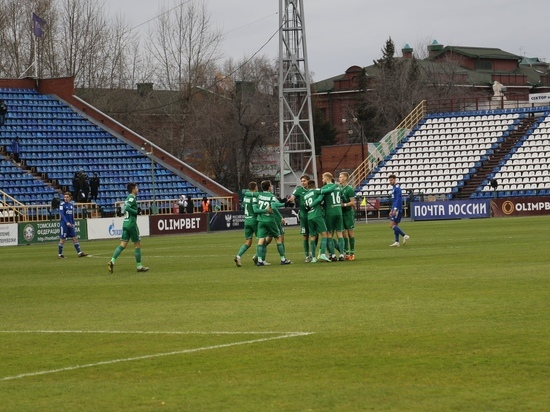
[176, 208]
[84, 187]
[54, 206]
[3, 112]
[76, 185]
[182, 204]
[94, 187]
[205, 205]
[15, 150]
[189, 208]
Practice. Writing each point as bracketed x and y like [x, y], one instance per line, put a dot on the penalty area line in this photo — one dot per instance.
[156, 355]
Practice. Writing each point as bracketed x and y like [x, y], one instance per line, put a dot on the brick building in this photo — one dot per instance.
[476, 70]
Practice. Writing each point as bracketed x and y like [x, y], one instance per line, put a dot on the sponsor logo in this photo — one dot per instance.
[228, 219]
[508, 207]
[28, 232]
[113, 231]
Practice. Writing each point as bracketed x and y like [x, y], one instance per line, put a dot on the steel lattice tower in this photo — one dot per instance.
[296, 139]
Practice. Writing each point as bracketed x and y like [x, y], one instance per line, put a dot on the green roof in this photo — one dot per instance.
[479, 53]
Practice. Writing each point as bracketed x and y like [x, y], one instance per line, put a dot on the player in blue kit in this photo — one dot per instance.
[396, 212]
[67, 226]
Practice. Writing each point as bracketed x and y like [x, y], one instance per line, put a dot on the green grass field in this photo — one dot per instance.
[458, 319]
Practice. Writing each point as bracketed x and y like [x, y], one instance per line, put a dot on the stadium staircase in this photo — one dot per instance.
[458, 155]
[482, 174]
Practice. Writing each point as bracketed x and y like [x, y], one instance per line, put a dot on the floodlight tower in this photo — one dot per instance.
[296, 139]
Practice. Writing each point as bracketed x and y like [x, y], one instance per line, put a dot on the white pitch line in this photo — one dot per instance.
[153, 332]
[156, 355]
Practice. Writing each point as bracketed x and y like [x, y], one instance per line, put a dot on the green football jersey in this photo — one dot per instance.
[298, 194]
[347, 194]
[249, 200]
[331, 198]
[265, 200]
[130, 212]
[313, 199]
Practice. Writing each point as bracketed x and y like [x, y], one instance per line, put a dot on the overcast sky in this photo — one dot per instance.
[343, 33]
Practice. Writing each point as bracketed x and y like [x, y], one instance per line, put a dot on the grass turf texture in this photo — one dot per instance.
[458, 319]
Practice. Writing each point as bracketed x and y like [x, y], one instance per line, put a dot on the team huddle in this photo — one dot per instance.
[326, 214]
[327, 218]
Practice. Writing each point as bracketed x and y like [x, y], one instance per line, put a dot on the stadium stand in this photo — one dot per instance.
[57, 141]
[470, 155]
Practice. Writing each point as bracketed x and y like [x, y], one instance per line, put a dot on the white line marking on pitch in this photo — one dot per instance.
[156, 355]
[156, 332]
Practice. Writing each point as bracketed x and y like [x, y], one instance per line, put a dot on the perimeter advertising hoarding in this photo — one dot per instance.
[8, 234]
[235, 220]
[111, 227]
[450, 209]
[521, 206]
[178, 224]
[39, 232]
[226, 221]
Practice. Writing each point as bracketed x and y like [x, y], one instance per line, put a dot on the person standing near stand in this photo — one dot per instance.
[3, 112]
[15, 149]
[67, 226]
[94, 187]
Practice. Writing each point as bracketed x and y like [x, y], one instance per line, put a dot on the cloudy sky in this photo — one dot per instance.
[343, 33]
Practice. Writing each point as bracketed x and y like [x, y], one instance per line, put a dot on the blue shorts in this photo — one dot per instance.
[66, 232]
[396, 218]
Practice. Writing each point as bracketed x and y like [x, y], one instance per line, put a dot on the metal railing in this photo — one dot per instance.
[168, 206]
[10, 213]
[13, 211]
[388, 143]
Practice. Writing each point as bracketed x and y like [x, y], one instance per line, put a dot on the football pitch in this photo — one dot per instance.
[457, 319]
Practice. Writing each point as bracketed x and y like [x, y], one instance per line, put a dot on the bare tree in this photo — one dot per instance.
[244, 124]
[17, 41]
[184, 47]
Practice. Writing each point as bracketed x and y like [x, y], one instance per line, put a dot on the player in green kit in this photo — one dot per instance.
[333, 216]
[130, 230]
[268, 227]
[298, 198]
[250, 220]
[347, 196]
[316, 222]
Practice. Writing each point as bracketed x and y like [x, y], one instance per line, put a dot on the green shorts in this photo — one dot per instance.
[316, 226]
[268, 229]
[250, 230]
[348, 218]
[304, 230]
[334, 223]
[130, 233]
[281, 226]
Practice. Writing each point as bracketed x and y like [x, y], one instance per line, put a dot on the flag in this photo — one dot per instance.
[38, 25]
[364, 202]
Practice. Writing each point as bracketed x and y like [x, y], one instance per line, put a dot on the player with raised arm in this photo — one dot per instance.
[333, 216]
[316, 222]
[298, 198]
[347, 197]
[130, 230]
[250, 220]
[67, 226]
[396, 211]
[267, 225]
